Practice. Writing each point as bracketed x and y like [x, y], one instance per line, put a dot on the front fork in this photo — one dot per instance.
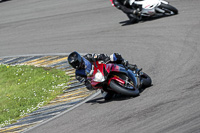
[138, 72]
[159, 10]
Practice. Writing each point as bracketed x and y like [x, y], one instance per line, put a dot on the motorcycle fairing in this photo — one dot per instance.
[118, 68]
[148, 6]
[109, 68]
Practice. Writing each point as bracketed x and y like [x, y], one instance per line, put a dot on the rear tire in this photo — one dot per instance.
[122, 90]
[168, 8]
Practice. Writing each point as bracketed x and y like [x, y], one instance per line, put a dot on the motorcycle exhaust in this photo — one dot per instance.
[160, 10]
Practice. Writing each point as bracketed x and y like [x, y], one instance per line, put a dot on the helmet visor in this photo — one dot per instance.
[76, 64]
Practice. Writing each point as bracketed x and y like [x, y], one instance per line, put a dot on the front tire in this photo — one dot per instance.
[122, 90]
[146, 80]
[168, 8]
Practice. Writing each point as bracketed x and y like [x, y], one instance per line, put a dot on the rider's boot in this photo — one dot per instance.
[137, 12]
[132, 17]
[137, 9]
[107, 95]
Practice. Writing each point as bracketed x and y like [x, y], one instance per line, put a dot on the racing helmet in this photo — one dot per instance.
[75, 60]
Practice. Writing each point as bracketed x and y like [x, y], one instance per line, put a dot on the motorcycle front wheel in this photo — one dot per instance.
[123, 90]
[168, 9]
[146, 80]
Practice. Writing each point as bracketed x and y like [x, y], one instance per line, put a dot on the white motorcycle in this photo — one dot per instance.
[149, 8]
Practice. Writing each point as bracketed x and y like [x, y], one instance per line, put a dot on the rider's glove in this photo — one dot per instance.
[94, 57]
[80, 79]
[125, 63]
[132, 67]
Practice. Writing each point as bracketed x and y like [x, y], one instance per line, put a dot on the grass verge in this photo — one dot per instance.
[24, 89]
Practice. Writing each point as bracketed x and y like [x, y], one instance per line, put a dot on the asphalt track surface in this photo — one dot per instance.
[166, 48]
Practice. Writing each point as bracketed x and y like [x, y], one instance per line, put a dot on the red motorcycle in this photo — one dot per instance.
[117, 78]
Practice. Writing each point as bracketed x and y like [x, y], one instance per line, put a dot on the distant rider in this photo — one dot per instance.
[132, 11]
[83, 66]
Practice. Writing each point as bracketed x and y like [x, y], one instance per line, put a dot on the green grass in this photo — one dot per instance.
[23, 89]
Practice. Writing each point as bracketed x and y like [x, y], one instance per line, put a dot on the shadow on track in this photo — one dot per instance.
[158, 16]
[117, 97]
[4, 1]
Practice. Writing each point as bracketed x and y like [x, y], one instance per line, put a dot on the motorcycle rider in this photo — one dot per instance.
[132, 11]
[83, 66]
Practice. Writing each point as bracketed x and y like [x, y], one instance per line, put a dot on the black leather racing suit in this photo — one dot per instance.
[129, 10]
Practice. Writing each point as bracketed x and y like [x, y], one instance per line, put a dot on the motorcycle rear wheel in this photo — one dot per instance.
[122, 90]
[168, 8]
